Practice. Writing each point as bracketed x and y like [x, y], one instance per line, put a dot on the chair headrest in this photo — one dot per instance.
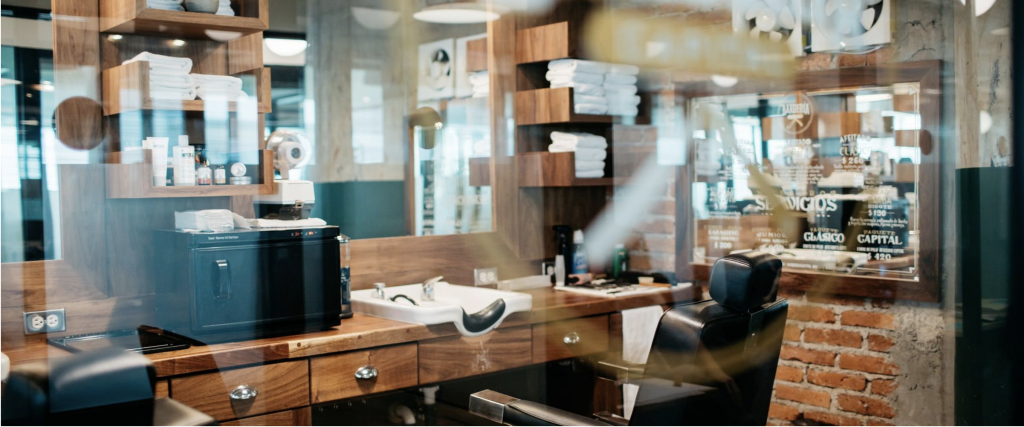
[745, 280]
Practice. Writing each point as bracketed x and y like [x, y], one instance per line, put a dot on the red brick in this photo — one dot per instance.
[790, 294]
[822, 298]
[782, 412]
[660, 244]
[832, 337]
[836, 380]
[883, 387]
[879, 423]
[810, 397]
[831, 419]
[870, 320]
[866, 406]
[651, 261]
[792, 333]
[874, 365]
[816, 357]
[812, 314]
[879, 342]
[881, 303]
[789, 373]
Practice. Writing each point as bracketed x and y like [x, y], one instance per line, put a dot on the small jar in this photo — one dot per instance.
[204, 174]
[220, 175]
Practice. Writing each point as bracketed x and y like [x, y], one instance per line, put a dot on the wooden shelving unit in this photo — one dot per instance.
[550, 106]
[133, 17]
[480, 171]
[135, 180]
[544, 169]
[546, 42]
[126, 88]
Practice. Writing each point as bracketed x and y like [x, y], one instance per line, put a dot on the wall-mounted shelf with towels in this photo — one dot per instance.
[129, 176]
[133, 17]
[544, 169]
[126, 88]
[543, 106]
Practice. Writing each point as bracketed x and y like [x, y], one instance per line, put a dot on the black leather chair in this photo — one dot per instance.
[711, 363]
[99, 388]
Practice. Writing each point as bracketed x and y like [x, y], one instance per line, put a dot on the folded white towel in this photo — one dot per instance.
[207, 93]
[581, 88]
[594, 154]
[170, 85]
[579, 139]
[590, 108]
[228, 82]
[481, 88]
[165, 4]
[576, 77]
[479, 77]
[224, 8]
[169, 63]
[480, 94]
[171, 77]
[589, 99]
[180, 95]
[616, 99]
[621, 79]
[623, 110]
[205, 220]
[612, 89]
[579, 65]
[599, 173]
[281, 223]
[589, 165]
[623, 69]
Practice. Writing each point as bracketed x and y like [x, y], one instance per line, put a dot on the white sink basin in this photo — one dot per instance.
[474, 311]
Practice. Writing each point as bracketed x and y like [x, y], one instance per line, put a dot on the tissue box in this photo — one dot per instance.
[206, 220]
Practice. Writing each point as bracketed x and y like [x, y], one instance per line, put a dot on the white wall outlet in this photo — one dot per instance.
[485, 276]
[38, 322]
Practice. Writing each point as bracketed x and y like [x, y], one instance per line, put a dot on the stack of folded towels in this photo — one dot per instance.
[224, 8]
[598, 88]
[481, 84]
[165, 5]
[168, 76]
[218, 87]
[590, 150]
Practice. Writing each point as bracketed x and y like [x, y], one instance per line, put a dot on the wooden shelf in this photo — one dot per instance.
[135, 181]
[549, 106]
[545, 43]
[544, 169]
[132, 17]
[126, 88]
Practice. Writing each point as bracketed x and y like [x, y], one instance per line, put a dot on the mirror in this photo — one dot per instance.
[827, 180]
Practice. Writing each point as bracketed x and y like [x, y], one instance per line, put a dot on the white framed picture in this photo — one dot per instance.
[436, 70]
[463, 88]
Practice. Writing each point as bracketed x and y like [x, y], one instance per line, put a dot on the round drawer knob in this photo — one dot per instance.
[571, 338]
[368, 372]
[244, 392]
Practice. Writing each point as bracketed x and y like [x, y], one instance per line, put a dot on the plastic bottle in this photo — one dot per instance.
[559, 270]
[620, 260]
[579, 254]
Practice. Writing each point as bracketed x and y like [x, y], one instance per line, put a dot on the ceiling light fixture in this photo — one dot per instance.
[286, 47]
[724, 81]
[457, 13]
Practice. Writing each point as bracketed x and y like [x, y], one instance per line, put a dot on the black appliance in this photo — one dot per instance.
[246, 284]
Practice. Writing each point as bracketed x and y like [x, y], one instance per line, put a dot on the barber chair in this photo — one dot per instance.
[99, 388]
[711, 362]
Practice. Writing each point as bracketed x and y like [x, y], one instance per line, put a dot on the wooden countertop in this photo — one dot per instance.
[362, 331]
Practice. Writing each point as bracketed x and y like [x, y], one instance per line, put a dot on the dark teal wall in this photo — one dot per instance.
[362, 209]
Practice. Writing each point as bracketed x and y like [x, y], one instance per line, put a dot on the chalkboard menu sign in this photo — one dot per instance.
[826, 180]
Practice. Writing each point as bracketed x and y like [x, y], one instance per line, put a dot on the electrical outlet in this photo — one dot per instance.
[38, 322]
[485, 276]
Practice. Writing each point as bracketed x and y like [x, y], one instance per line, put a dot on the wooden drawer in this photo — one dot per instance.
[570, 338]
[278, 387]
[333, 377]
[294, 417]
[456, 357]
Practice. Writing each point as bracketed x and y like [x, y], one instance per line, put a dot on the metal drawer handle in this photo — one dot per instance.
[368, 372]
[244, 392]
[571, 338]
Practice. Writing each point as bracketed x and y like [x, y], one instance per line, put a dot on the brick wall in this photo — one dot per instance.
[836, 367]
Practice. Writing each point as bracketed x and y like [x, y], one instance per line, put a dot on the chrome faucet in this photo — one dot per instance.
[428, 288]
[379, 288]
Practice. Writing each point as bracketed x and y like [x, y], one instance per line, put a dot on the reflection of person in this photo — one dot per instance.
[439, 70]
[1002, 156]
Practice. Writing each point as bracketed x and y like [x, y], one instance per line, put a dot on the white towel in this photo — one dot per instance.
[208, 93]
[168, 63]
[623, 69]
[177, 94]
[481, 88]
[480, 94]
[577, 77]
[631, 100]
[479, 78]
[621, 79]
[590, 174]
[171, 77]
[592, 154]
[165, 4]
[205, 220]
[170, 85]
[590, 108]
[581, 88]
[224, 8]
[280, 223]
[623, 110]
[579, 139]
[589, 99]
[638, 326]
[579, 65]
[589, 165]
[211, 80]
[612, 89]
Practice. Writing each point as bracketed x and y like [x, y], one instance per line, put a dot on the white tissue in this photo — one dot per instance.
[280, 223]
[205, 220]
[638, 327]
